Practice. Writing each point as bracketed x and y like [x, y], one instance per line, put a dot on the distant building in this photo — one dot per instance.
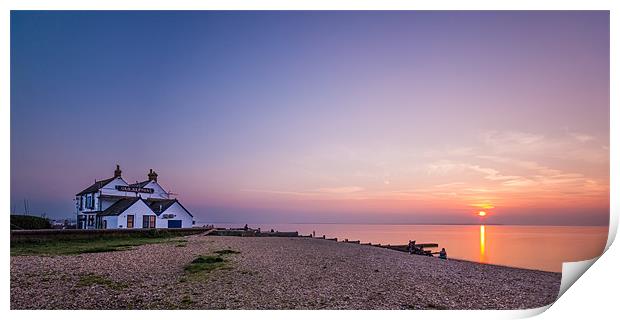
[115, 204]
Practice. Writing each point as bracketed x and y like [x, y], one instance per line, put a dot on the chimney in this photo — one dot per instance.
[117, 172]
[152, 175]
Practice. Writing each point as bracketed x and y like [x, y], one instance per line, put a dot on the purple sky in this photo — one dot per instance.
[378, 117]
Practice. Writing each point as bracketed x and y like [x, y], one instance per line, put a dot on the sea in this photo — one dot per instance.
[530, 247]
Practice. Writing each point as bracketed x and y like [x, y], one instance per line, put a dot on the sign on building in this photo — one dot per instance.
[134, 189]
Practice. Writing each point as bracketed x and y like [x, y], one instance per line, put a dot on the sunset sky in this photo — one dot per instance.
[356, 117]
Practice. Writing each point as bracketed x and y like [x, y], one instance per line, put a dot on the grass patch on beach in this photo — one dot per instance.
[93, 279]
[179, 243]
[78, 246]
[203, 265]
[187, 301]
[227, 251]
[435, 307]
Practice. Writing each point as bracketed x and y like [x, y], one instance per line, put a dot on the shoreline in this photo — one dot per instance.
[273, 273]
[505, 266]
[404, 224]
[459, 241]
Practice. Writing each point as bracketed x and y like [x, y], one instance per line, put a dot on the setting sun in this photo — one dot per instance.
[482, 213]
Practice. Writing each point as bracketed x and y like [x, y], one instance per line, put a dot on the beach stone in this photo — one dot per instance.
[274, 273]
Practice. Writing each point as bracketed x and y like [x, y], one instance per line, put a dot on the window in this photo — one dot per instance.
[148, 222]
[91, 220]
[129, 221]
[90, 201]
[105, 224]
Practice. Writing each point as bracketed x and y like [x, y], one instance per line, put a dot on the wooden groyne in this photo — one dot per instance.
[420, 246]
[248, 232]
[405, 248]
[399, 247]
[251, 233]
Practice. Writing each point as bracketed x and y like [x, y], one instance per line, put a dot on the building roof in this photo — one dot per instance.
[119, 206]
[160, 205]
[140, 184]
[155, 204]
[96, 186]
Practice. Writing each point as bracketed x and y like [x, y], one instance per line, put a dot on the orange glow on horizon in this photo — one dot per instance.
[484, 205]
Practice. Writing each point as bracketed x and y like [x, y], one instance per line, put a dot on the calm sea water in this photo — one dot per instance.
[530, 247]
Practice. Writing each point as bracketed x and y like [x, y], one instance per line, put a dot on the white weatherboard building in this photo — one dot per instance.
[115, 204]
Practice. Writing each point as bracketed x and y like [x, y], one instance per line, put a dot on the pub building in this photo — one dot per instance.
[115, 204]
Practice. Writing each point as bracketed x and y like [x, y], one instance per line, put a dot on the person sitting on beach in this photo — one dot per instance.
[443, 254]
[418, 250]
[411, 247]
[245, 227]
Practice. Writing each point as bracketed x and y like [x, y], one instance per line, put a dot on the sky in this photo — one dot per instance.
[308, 117]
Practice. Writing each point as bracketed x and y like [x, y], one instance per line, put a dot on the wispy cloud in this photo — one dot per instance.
[581, 137]
[445, 167]
[278, 192]
[313, 192]
[346, 189]
[503, 138]
[499, 169]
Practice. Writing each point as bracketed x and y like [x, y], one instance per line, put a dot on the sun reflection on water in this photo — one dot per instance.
[483, 256]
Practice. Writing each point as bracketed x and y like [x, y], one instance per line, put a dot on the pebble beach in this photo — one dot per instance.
[272, 273]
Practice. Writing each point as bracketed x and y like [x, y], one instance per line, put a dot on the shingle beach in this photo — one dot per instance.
[272, 273]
